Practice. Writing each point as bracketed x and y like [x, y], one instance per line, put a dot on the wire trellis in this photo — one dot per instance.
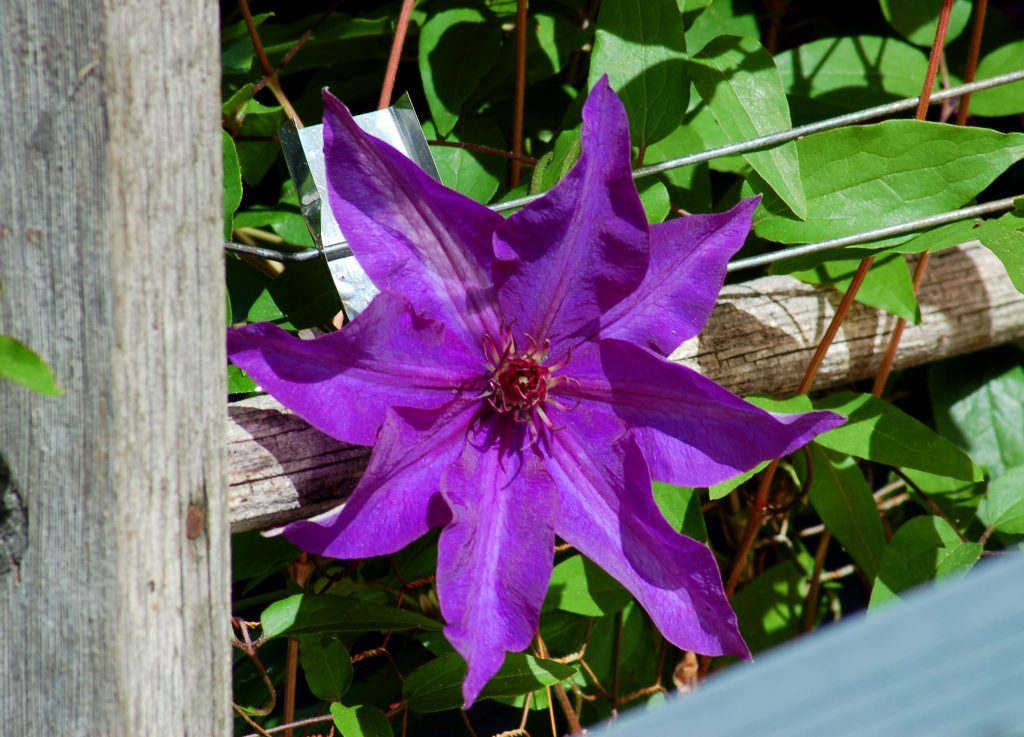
[754, 144]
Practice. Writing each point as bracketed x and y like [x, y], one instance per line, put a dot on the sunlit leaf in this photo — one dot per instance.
[1002, 508]
[361, 721]
[580, 587]
[916, 20]
[20, 364]
[308, 614]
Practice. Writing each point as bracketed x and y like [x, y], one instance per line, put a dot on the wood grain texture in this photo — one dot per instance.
[758, 340]
[116, 619]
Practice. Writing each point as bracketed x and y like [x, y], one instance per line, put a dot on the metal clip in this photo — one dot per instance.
[303, 150]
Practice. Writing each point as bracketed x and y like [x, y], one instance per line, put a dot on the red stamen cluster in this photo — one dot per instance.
[520, 381]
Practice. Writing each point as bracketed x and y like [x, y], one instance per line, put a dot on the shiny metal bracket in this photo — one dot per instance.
[303, 150]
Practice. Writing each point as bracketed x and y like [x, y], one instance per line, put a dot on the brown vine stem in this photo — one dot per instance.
[563, 699]
[271, 83]
[885, 368]
[520, 94]
[303, 39]
[484, 150]
[811, 602]
[401, 29]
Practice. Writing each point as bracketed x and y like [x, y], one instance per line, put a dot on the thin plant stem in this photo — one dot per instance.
[467, 723]
[292, 725]
[811, 602]
[563, 700]
[272, 83]
[520, 94]
[529, 160]
[401, 29]
[885, 368]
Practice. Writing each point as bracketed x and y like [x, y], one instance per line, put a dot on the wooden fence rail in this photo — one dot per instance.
[759, 340]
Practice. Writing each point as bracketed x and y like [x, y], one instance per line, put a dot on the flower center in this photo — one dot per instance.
[520, 380]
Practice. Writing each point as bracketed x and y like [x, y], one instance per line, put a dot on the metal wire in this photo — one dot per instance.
[867, 236]
[341, 250]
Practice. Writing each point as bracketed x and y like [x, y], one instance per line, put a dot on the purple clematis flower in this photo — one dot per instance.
[512, 377]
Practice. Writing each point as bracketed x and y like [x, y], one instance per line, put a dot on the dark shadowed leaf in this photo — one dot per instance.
[916, 20]
[327, 665]
[681, 507]
[770, 607]
[475, 174]
[232, 181]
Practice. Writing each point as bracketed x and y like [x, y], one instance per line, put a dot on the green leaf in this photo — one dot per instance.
[248, 293]
[458, 47]
[976, 402]
[257, 156]
[770, 607]
[556, 163]
[236, 51]
[310, 614]
[437, 686]
[239, 382]
[923, 549]
[641, 47]
[232, 182]
[286, 222]
[19, 364]
[881, 432]
[1007, 99]
[832, 76]
[475, 174]
[688, 187]
[862, 177]
[916, 20]
[256, 556]
[738, 81]
[887, 286]
[654, 198]
[1002, 509]
[1007, 243]
[580, 587]
[681, 507]
[723, 489]
[720, 18]
[327, 665]
[361, 721]
[843, 500]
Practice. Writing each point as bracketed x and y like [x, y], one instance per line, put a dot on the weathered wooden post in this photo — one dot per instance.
[114, 620]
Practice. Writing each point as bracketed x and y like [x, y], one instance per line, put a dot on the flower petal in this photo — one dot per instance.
[685, 274]
[567, 258]
[398, 499]
[608, 514]
[692, 431]
[411, 234]
[343, 383]
[495, 558]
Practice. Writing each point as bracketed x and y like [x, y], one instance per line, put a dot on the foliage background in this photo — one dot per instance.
[919, 485]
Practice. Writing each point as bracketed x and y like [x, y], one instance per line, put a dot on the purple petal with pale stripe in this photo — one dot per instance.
[685, 274]
[608, 514]
[692, 431]
[344, 382]
[567, 258]
[410, 233]
[495, 558]
[398, 499]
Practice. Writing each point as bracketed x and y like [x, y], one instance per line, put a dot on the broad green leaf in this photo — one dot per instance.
[257, 156]
[916, 20]
[688, 187]
[654, 198]
[458, 47]
[789, 405]
[887, 286]
[311, 614]
[701, 122]
[843, 500]
[720, 18]
[976, 403]
[236, 51]
[923, 549]
[937, 239]
[580, 587]
[239, 382]
[738, 81]
[681, 507]
[881, 432]
[18, 363]
[248, 293]
[437, 686]
[770, 607]
[327, 665]
[832, 76]
[1002, 508]
[361, 721]
[472, 173]
[1007, 243]
[284, 221]
[256, 556]
[556, 163]
[1007, 99]
[235, 104]
[232, 182]
[640, 46]
[862, 177]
